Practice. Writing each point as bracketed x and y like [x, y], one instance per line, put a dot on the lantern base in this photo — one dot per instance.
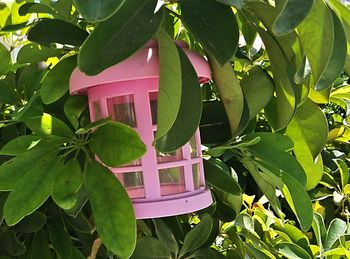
[172, 207]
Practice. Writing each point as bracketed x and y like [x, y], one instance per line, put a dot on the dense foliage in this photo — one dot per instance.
[274, 123]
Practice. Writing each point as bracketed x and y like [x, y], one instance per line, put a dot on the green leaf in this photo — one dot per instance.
[5, 59]
[115, 219]
[230, 92]
[198, 235]
[34, 53]
[298, 200]
[214, 25]
[31, 223]
[258, 89]
[131, 27]
[116, 144]
[336, 229]
[47, 125]
[236, 3]
[291, 251]
[292, 14]
[97, 11]
[10, 244]
[56, 83]
[188, 117]
[29, 8]
[3, 198]
[319, 228]
[19, 145]
[67, 184]
[14, 170]
[73, 108]
[7, 94]
[170, 84]
[274, 140]
[150, 248]
[40, 246]
[343, 170]
[218, 176]
[51, 31]
[165, 234]
[32, 190]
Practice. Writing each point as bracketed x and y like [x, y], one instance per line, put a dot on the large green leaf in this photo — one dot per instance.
[150, 248]
[131, 27]
[258, 90]
[97, 10]
[170, 84]
[214, 25]
[51, 31]
[5, 59]
[33, 53]
[198, 235]
[116, 144]
[189, 114]
[291, 251]
[112, 209]
[230, 92]
[32, 190]
[67, 184]
[292, 14]
[56, 83]
[218, 176]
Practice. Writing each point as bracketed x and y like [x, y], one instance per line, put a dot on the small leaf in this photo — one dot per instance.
[336, 229]
[343, 170]
[116, 144]
[47, 125]
[291, 251]
[214, 25]
[56, 83]
[112, 210]
[292, 14]
[67, 184]
[19, 145]
[170, 84]
[198, 235]
[10, 244]
[132, 26]
[319, 228]
[189, 114]
[218, 175]
[32, 190]
[73, 108]
[51, 31]
[149, 248]
[29, 8]
[33, 53]
[97, 10]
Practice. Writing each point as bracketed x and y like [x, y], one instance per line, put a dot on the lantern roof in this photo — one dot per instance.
[141, 65]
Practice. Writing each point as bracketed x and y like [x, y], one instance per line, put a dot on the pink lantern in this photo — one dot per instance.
[159, 184]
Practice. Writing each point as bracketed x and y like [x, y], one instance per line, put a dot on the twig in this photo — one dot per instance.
[94, 249]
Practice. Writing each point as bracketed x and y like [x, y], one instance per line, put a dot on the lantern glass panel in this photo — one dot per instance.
[97, 111]
[153, 97]
[172, 181]
[133, 183]
[193, 147]
[196, 176]
[122, 109]
[168, 157]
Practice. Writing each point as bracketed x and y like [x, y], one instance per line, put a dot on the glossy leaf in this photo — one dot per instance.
[51, 31]
[170, 84]
[56, 82]
[31, 191]
[214, 25]
[291, 251]
[219, 177]
[97, 11]
[292, 14]
[149, 248]
[47, 125]
[67, 184]
[116, 225]
[131, 27]
[116, 144]
[258, 89]
[73, 108]
[336, 229]
[33, 53]
[5, 59]
[319, 228]
[19, 145]
[190, 110]
[198, 235]
[343, 170]
[230, 92]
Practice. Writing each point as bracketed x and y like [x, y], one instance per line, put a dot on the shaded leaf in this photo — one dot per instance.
[33, 53]
[149, 248]
[28, 8]
[5, 59]
[40, 246]
[31, 223]
[165, 234]
[19, 145]
[132, 26]
[7, 94]
[73, 108]
[116, 225]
